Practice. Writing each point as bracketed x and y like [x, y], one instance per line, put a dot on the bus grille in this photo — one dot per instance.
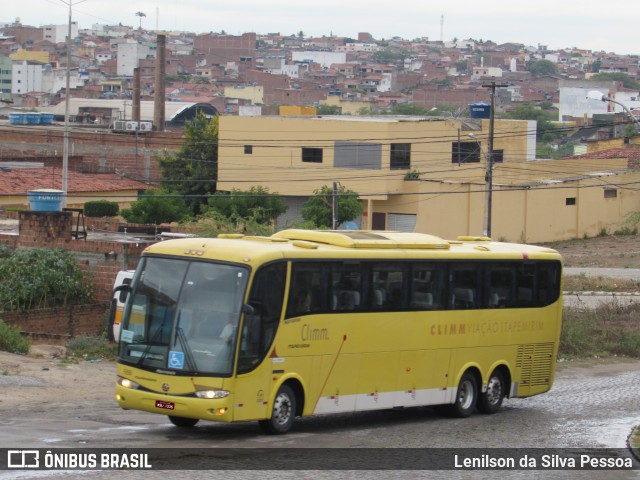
[535, 361]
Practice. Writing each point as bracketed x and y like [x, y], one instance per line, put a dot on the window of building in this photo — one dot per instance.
[357, 155]
[465, 152]
[570, 201]
[610, 193]
[248, 149]
[400, 156]
[311, 155]
[498, 156]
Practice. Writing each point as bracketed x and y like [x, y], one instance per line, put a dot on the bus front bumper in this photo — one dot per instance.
[216, 410]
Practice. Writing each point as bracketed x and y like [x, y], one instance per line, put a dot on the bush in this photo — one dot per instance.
[610, 329]
[42, 278]
[101, 208]
[11, 341]
[91, 348]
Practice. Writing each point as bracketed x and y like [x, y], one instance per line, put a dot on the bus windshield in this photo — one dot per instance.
[183, 316]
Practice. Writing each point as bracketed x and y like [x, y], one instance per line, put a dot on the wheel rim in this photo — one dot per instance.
[466, 395]
[494, 391]
[282, 409]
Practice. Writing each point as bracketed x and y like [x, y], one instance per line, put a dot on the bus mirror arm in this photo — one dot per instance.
[112, 319]
[122, 288]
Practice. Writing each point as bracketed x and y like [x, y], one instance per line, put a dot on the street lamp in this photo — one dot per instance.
[596, 95]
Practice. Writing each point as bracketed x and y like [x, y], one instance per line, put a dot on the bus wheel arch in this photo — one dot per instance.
[467, 394]
[287, 404]
[490, 400]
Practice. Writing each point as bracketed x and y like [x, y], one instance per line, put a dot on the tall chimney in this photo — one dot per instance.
[158, 102]
[135, 108]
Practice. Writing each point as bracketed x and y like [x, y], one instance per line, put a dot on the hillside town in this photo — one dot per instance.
[387, 118]
[357, 75]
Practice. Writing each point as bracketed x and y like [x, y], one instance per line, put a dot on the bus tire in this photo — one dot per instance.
[466, 396]
[491, 400]
[183, 422]
[283, 413]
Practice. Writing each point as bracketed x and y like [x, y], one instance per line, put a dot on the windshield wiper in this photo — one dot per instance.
[188, 355]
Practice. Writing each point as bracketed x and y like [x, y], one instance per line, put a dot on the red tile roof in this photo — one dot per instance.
[632, 153]
[18, 181]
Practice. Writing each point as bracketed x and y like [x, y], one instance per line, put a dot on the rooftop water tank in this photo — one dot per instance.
[480, 110]
[45, 200]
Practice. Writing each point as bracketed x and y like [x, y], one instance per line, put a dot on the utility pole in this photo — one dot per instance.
[489, 175]
[334, 206]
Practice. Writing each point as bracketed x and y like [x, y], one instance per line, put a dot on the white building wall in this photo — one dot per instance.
[574, 103]
[26, 77]
[326, 59]
[58, 33]
[128, 56]
[55, 80]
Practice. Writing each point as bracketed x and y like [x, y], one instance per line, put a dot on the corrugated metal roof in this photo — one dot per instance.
[171, 109]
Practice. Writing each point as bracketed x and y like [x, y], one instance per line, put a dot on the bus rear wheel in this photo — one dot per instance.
[466, 396]
[182, 421]
[283, 413]
[491, 400]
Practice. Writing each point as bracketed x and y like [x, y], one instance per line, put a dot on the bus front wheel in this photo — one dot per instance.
[182, 421]
[283, 413]
[491, 400]
[466, 396]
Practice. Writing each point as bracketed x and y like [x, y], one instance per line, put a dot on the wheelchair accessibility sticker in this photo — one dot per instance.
[176, 360]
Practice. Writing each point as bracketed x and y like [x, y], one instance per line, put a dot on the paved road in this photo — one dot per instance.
[629, 273]
[595, 299]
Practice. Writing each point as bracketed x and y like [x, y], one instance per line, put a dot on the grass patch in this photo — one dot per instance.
[91, 348]
[586, 283]
[609, 330]
[11, 341]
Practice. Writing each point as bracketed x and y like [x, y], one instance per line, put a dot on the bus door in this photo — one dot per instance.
[260, 322]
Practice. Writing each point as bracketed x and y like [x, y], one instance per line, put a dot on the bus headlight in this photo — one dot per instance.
[126, 383]
[212, 394]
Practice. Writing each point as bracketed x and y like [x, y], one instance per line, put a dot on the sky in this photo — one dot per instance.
[587, 24]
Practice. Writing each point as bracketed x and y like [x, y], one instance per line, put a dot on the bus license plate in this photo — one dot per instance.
[165, 405]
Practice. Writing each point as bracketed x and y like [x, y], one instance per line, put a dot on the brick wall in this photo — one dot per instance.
[58, 325]
[100, 261]
[133, 156]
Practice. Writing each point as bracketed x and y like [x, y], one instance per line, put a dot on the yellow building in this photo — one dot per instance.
[253, 93]
[30, 56]
[411, 175]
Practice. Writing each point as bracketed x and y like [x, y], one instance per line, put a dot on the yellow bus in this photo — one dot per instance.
[305, 322]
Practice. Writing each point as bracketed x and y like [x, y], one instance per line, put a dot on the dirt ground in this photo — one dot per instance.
[611, 251]
[44, 379]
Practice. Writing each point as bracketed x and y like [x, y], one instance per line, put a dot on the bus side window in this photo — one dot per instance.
[464, 284]
[501, 281]
[525, 284]
[426, 287]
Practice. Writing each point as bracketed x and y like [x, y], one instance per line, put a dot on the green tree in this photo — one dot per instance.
[156, 207]
[388, 57]
[409, 109]
[319, 208]
[626, 80]
[546, 131]
[542, 67]
[193, 170]
[329, 110]
[256, 203]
